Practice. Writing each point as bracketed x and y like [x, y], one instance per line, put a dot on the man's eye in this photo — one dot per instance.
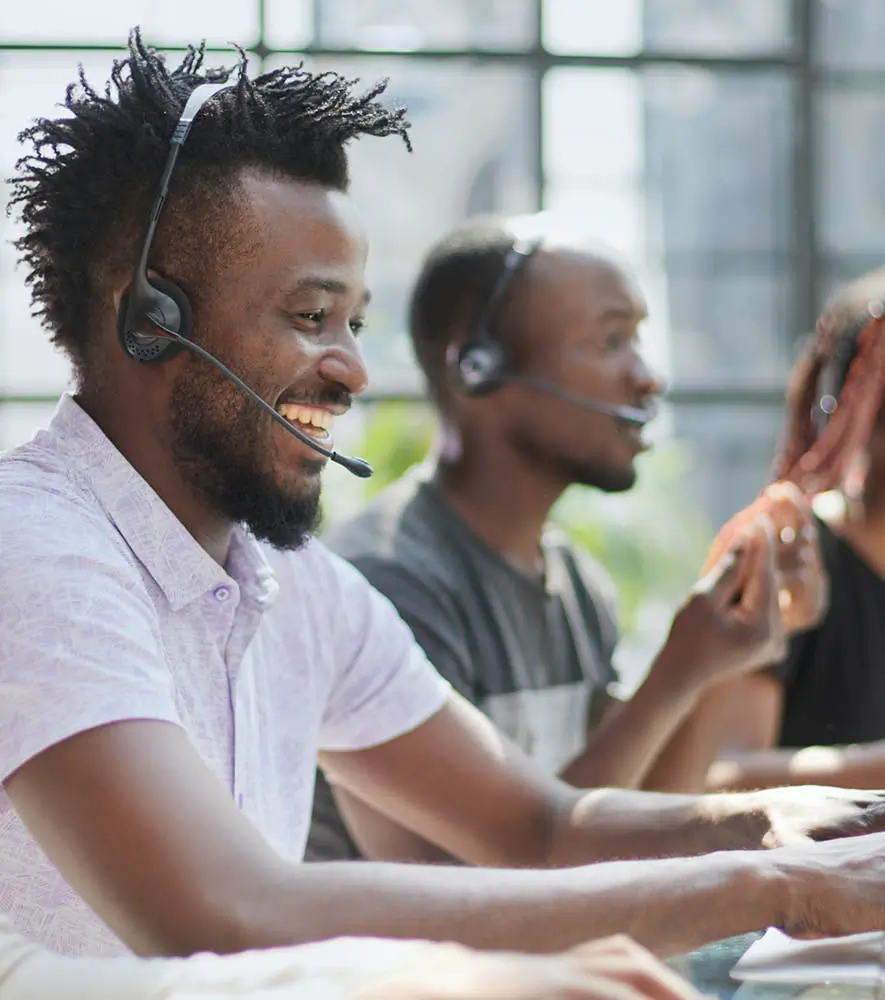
[317, 316]
[357, 326]
[619, 338]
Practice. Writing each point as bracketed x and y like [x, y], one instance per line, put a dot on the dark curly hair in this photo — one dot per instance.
[84, 189]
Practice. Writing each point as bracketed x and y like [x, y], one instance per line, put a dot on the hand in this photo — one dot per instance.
[834, 888]
[781, 817]
[803, 586]
[613, 968]
[731, 621]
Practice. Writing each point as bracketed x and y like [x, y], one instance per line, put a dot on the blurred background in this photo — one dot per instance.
[729, 147]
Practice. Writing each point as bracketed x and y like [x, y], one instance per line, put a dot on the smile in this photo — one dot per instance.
[312, 420]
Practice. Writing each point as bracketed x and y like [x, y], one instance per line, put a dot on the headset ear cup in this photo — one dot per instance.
[185, 326]
[479, 369]
[164, 301]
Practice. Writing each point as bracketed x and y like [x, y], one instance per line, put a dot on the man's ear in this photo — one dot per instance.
[117, 292]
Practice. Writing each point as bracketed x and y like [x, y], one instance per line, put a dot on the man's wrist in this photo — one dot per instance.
[673, 678]
[733, 821]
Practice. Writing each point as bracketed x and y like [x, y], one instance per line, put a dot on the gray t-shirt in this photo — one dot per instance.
[534, 654]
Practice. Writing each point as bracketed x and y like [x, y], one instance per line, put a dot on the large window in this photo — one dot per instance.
[732, 148]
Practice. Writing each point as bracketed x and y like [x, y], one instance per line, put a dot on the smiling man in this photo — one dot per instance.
[176, 649]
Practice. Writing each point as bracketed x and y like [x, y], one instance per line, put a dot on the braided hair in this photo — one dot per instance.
[836, 389]
[834, 396]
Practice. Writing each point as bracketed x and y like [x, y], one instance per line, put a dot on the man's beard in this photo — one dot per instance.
[221, 454]
[570, 471]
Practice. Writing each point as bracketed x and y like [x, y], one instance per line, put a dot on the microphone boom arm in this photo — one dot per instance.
[357, 466]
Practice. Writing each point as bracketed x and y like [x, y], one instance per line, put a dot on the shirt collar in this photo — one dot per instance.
[181, 567]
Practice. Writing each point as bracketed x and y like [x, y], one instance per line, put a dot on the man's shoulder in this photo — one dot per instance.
[48, 507]
[404, 528]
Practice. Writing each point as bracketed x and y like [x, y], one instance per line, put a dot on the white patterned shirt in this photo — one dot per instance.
[110, 610]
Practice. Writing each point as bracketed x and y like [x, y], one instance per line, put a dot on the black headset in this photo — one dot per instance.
[481, 365]
[155, 321]
[154, 311]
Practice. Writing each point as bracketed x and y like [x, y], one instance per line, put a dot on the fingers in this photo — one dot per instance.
[797, 551]
[620, 961]
[722, 577]
[759, 595]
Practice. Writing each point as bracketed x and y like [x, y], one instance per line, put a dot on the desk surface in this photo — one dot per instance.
[709, 969]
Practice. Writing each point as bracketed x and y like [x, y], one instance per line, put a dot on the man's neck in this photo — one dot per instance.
[152, 461]
[501, 499]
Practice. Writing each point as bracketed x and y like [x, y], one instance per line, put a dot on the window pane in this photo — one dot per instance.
[718, 155]
[729, 320]
[836, 272]
[20, 421]
[848, 33]
[473, 152]
[688, 172]
[32, 84]
[432, 24]
[732, 446]
[849, 154]
[626, 27]
[163, 22]
[288, 24]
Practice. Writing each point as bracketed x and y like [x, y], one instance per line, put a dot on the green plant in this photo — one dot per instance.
[397, 436]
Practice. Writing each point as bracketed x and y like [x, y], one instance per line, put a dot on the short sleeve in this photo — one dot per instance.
[384, 684]
[79, 646]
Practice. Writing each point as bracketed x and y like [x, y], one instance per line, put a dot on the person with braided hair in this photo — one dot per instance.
[819, 715]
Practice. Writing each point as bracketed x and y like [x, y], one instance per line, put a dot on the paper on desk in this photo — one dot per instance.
[777, 958]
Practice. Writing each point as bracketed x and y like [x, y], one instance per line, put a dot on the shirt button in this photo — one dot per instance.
[222, 593]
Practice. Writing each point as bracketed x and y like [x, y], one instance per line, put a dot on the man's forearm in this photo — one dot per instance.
[627, 743]
[861, 766]
[609, 824]
[670, 906]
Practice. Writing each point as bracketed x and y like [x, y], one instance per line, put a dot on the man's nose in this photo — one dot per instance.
[343, 363]
[649, 381]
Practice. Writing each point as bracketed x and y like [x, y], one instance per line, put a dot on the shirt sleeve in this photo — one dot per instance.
[384, 685]
[79, 646]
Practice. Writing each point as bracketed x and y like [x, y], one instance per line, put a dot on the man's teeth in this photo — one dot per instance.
[309, 415]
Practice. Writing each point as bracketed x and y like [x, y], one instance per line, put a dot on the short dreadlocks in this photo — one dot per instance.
[84, 189]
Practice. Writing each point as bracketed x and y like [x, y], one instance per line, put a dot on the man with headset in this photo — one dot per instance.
[176, 651]
[529, 349]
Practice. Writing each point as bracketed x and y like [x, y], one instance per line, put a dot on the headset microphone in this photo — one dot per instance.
[154, 321]
[358, 466]
[630, 414]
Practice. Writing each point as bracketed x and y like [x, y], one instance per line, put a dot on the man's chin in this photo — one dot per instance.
[607, 479]
[285, 515]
